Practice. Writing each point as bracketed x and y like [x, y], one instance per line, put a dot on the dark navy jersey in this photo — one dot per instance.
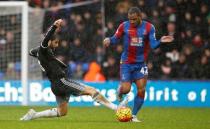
[137, 41]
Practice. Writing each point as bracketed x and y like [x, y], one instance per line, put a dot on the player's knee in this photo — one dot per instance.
[124, 90]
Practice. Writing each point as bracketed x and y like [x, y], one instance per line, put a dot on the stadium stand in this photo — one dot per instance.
[187, 20]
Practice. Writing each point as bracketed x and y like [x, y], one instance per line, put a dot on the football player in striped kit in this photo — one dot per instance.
[138, 37]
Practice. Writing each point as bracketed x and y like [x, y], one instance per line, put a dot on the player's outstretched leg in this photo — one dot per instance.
[61, 110]
[98, 97]
[32, 114]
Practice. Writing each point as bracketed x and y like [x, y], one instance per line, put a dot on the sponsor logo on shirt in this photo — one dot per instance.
[136, 41]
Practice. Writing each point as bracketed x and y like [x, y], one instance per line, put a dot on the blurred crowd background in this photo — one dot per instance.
[82, 35]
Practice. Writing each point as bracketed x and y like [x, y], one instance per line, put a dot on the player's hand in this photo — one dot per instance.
[106, 42]
[166, 39]
[58, 23]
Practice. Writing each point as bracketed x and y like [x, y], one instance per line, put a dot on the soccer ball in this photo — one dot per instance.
[124, 114]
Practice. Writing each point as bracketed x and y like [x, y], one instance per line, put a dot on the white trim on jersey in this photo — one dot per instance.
[43, 46]
[79, 87]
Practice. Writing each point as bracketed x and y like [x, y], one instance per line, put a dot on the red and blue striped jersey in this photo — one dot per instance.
[137, 41]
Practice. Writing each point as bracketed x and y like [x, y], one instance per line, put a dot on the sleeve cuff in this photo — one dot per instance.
[112, 40]
[158, 44]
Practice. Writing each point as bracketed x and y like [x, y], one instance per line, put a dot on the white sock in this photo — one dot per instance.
[102, 100]
[109, 105]
[47, 113]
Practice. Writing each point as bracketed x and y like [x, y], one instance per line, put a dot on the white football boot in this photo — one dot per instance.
[28, 116]
[135, 119]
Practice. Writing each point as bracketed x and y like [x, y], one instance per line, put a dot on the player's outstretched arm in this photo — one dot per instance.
[114, 39]
[51, 31]
[156, 43]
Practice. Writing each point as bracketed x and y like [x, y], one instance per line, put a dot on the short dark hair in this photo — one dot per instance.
[134, 10]
[55, 36]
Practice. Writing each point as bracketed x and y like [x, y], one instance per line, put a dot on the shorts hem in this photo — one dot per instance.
[139, 78]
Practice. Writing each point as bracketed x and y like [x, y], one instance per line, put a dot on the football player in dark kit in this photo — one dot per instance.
[61, 86]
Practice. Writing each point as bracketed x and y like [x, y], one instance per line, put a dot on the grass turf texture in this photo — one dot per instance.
[102, 118]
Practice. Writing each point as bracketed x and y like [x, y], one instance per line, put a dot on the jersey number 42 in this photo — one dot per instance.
[144, 70]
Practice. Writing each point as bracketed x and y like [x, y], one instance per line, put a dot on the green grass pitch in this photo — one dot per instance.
[102, 118]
